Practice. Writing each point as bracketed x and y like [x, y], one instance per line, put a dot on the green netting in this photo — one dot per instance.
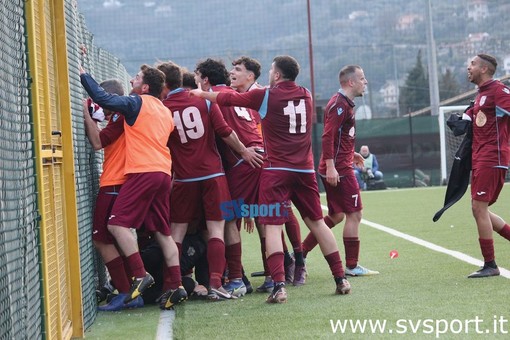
[20, 302]
[21, 315]
[102, 65]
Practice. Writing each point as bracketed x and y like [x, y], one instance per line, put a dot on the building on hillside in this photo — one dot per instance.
[476, 42]
[477, 9]
[506, 64]
[358, 15]
[389, 93]
[408, 21]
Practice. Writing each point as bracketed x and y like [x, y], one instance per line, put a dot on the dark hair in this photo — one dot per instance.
[154, 78]
[173, 74]
[250, 64]
[489, 61]
[346, 72]
[215, 70]
[113, 86]
[288, 66]
[188, 80]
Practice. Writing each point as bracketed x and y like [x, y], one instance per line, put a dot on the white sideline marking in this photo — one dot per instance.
[165, 325]
[457, 254]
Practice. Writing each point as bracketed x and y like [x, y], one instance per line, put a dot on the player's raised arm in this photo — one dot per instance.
[211, 96]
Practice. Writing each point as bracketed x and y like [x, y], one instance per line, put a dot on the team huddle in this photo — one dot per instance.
[176, 156]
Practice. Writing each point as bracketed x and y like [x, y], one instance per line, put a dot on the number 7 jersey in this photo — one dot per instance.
[286, 111]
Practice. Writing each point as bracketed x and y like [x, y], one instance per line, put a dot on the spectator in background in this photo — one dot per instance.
[369, 170]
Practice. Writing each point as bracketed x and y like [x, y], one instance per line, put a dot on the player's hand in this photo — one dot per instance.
[82, 70]
[196, 92]
[252, 157]
[332, 176]
[249, 224]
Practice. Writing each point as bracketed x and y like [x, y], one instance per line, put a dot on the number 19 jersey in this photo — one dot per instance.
[192, 143]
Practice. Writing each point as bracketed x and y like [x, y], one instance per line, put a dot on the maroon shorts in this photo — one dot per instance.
[486, 184]
[191, 200]
[243, 182]
[104, 203]
[144, 200]
[277, 187]
[345, 197]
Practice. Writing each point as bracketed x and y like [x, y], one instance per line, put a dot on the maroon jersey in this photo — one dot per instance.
[242, 121]
[286, 112]
[339, 135]
[490, 115]
[112, 130]
[192, 143]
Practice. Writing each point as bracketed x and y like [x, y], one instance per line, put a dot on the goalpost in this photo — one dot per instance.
[448, 142]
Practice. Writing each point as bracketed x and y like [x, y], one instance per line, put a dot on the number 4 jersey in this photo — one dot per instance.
[242, 120]
[286, 112]
[192, 143]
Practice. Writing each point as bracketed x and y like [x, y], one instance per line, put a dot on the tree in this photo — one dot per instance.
[448, 86]
[414, 95]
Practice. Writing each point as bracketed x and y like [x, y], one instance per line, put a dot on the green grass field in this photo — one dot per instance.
[420, 294]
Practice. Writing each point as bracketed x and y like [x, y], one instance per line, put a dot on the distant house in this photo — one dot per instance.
[408, 21]
[389, 93]
[357, 15]
[478, 10]
[506, 64]
[475, 42]
[163, 11]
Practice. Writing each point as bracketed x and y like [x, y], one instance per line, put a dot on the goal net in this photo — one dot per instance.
[448, 142]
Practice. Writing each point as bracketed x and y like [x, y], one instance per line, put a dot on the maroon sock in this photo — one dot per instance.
[118, 274]
[335, 264]
[310, 241]
[171, 278]
[233, 255]
[135, 263]
[293, 231]
[264, 258]
[127, 269]
[505, 232]
[275, 264]
[351, 245]
[329, 222]
[487, 247]
[216, 259]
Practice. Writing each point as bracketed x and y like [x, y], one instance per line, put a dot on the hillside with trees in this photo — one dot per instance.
[386, 37]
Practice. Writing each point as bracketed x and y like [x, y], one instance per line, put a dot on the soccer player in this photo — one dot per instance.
[288, 174]
[112, 140]
[242, 178]
[490, 155]
[336, 167]
[243, 76]
[199, 178]
[144, 196]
